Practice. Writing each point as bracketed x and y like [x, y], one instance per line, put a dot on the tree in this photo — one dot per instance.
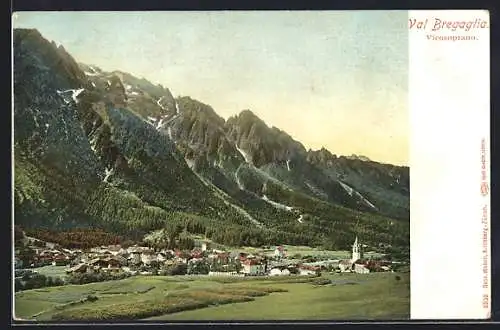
[198, 268]
[176, 269]
[234, 266]
[185, 243]
[49, 281]
[58, 281]
[26, 255]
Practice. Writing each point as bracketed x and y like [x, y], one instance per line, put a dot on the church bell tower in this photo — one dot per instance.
[357, 251]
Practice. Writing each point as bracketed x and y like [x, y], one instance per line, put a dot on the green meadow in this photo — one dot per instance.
[53, 271]
[163, 298]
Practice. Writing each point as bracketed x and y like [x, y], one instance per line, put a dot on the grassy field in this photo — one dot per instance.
[346, 296]
[52, 271]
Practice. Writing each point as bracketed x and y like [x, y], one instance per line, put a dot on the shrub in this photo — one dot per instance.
[86, 278]
[58, 281]
[177, 269]
[92, 298]
[321, 281]
[49, 281]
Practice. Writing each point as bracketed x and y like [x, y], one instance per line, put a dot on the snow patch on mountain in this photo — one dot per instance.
[244, 154]
[300, 218]
[160, 124]
[366, 201]
[176, 107]
[93, 143]
[74, 94]
[238, 182]
[288, 164]
[159, 103]
[108, 172]
[189, 162]
[347, 188]
[170, 133]
[353, 192]
[35, 119]
[164, 122]
[62, 95]
[277, 205]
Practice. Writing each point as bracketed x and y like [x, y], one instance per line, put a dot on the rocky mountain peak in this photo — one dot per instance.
[359, 157]
[32, 49]
[321, 157]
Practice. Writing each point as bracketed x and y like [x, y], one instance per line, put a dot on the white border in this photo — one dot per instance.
[449, 114]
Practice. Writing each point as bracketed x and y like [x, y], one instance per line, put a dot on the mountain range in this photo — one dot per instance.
[103, 149]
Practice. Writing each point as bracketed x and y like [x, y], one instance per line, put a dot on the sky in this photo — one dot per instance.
[333, 79]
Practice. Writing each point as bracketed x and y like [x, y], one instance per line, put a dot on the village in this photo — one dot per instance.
[202, 260]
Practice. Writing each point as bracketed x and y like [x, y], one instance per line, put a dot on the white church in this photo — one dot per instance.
[356, 255]
[357, 251]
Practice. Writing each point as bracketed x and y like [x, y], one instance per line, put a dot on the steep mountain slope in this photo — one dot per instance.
[248, 152]
[107, 149]
[87, 141]
[384, 186]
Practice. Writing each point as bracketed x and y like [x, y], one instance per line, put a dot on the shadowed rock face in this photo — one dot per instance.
[47, 81]
[90, 143]
[245, 139]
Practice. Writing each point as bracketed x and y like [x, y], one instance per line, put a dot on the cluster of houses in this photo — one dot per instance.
[46, 256]
[201, 260]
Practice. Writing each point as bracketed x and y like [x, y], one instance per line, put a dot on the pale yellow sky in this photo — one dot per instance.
[332, 79]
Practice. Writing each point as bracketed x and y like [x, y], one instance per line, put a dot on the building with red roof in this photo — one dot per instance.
[253, 266]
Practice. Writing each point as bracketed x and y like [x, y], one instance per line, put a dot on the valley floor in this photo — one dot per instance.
[346, 296]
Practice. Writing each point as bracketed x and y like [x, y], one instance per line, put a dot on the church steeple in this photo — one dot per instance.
[357, 252]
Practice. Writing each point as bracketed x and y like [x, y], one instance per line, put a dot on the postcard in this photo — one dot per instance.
[250, 166]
